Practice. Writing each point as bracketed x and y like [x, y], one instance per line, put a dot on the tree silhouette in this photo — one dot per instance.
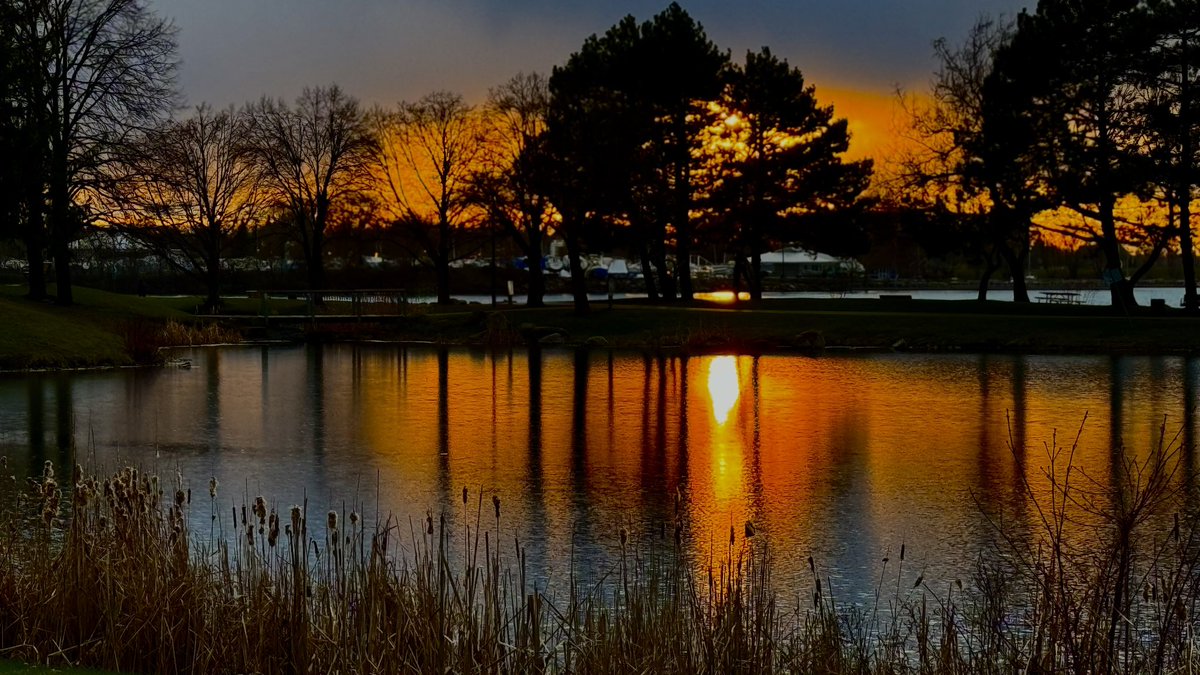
[1066, 81]
[427, 152]
[185, 188]
[99, 71]
[626, 111]
[506, 184]
[1168, 73]
[307, 158]
[778, 171]
[970, 158]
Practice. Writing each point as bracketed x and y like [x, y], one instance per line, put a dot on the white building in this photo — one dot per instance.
[791, 262]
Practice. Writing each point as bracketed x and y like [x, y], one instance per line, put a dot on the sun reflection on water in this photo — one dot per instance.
[723, 386]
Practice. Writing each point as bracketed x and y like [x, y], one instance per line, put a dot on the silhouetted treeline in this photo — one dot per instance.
[650, 136]
[1086, 110]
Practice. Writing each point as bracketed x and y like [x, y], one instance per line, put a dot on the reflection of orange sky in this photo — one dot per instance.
[841, 457]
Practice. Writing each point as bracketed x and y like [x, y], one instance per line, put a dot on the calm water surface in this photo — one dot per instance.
[844, 458]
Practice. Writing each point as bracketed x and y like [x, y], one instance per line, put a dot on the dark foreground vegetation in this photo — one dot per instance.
[1090, 575]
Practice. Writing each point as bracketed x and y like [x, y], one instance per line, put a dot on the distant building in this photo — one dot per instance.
[791, 262]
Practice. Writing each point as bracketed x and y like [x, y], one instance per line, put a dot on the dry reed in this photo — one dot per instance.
[110, 573]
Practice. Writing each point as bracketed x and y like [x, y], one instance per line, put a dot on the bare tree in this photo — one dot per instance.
[972, 172]
[428, 152]
[308, 158]
[505, 185]
[109, 72]
[186, 188]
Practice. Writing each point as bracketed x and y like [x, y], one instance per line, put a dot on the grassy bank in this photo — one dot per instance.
[108, 574]
[112, 329]
[782, 325]
[101, 329]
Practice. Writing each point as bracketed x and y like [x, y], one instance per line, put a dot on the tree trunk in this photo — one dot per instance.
[739, 272]
[648, 272]
[683, 203]
[578, 281]
[213, 282]
[536, 293]
[990, 265]
[1190, 300]
[35, 249]
[1016, 268]
[664, 274]
[1119, 287]
[756, 290]
[442, 263]
[61, 228]
[316, 263]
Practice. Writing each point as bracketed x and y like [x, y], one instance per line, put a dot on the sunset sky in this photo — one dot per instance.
[383, 51]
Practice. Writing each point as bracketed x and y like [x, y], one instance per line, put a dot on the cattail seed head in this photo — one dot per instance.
[212, 487]
[464, 495]
[428, 523]
[623, 534]
[496, 504]
[901, 552]
[749, 530]
[179, 498]
[354, 517]
[331, 521]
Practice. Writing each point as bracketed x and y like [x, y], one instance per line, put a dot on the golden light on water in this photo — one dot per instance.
[723, 387]
[725, 297]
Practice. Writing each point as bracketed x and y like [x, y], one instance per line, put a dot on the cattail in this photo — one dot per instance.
[212, 487]
[428, 522]
[273, 534]
[179, 498]
[731, 535]
[811, 567]
[331, 521]
[623, 535]
[749, 530]
[464, 496]
[353, 518]
[260, 509]
[496, 504]
[296, 519]
[901, 552]
[917, 583]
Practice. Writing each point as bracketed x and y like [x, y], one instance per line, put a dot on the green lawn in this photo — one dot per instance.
[93, 332]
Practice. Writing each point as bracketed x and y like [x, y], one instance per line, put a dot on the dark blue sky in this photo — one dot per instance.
[387, 50]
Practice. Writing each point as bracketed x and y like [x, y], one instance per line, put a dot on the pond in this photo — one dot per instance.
[844, 458]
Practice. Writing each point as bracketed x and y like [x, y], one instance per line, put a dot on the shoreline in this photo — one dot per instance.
[114, 331]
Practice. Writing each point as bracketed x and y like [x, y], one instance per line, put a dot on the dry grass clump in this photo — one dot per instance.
[175, 334]
[110, 573]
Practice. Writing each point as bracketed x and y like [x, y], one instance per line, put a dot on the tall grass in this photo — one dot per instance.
[112, 573]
